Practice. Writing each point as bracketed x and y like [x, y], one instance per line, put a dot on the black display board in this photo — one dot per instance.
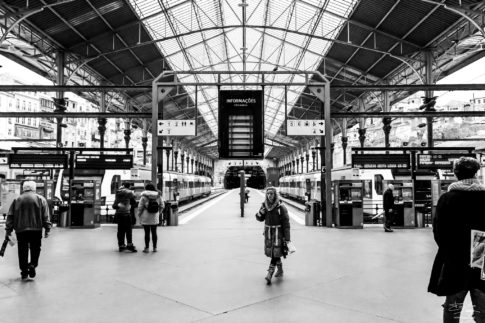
[439, 161]
[104, 161]
[38, 161]
[373, 161]
[241, 124]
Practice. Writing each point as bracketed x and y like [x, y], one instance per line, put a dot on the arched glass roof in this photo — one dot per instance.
[206, 35]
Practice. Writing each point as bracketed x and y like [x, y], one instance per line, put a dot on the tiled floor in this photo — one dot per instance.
[212, 268]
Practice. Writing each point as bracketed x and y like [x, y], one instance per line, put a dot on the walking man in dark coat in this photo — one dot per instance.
[388, 204]
[459, 211]
[28, 214]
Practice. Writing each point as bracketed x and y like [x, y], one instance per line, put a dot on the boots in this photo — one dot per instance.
[270, 274]
[279, 269]
[131, 248]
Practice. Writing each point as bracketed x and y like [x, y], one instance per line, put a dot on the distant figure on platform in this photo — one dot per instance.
[246, 195]
[28, 214]
[149, 209]
[459, 211]
[388, 204]
[124, 203]
[276, 231]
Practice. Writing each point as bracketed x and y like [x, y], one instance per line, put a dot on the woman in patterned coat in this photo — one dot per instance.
[276, 231]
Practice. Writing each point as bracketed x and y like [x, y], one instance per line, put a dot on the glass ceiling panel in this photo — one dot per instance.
[285, 44]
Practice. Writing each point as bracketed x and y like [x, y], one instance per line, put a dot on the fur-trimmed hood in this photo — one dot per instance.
[470, 184]
[150, 194]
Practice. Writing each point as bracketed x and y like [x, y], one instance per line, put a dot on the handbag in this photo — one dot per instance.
[284, 249]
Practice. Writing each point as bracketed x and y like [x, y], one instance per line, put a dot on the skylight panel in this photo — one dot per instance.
[266, 48]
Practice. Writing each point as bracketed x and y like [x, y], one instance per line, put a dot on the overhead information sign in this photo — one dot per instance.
[104, 161]
[176, 127]
[305, 127]
[241, 124]
[439, 161]
[373, 161]
[36, 161]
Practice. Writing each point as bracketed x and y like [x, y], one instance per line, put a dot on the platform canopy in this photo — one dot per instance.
[352, 42]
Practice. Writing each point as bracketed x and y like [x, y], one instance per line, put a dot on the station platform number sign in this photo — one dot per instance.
[176, 127]
[305, 127]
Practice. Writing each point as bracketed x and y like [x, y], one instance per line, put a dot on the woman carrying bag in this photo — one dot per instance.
[276, 231]
[149, 208]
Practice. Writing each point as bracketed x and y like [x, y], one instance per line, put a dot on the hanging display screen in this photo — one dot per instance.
[439, 161]
[104, 161]
[241, 124]
[374, 161]
[38, 161]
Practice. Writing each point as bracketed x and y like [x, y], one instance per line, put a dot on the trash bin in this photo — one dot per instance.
[62, 222]
[312, 212]
[172, 213]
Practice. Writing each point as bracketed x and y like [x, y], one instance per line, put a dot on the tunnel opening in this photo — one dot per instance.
[254, 175]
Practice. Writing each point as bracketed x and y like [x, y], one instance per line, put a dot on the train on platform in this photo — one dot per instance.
[295, 186]
[176, 186]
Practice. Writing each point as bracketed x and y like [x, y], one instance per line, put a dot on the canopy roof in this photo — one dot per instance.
[352, 42]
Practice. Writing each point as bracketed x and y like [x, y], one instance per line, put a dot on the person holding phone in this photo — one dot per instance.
[276, 231]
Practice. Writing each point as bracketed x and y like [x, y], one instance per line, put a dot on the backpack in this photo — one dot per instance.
[152, 206]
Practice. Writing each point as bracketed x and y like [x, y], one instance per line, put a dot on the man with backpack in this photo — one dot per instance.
[124, 205]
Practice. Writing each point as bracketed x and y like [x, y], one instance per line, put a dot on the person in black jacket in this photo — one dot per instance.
[28, 214]
[388, 204]
[124, 205]
[459, 211]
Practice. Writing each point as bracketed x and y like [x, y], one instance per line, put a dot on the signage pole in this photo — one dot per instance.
[154, 133]
[328, 155]
[241, 193]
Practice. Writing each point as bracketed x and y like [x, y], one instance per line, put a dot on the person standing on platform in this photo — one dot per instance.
[388, 204]
[28, 214]
[124, 203]
[276, 231]
[459, 211]
[149, 208]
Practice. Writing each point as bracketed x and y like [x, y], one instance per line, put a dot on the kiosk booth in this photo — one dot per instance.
[348, 204]
[404, 213]
[438, 188]
[84, 210]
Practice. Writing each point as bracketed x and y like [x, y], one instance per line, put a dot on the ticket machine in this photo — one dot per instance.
[348, 204]
[404, 214]
[84, 194]
[438, 188]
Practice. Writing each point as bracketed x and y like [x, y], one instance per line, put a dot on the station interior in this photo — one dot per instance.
[213, 102]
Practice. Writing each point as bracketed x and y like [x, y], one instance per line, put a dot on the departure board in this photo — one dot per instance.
[374, 161]
[439, 161]
[38, 161]
[241, 130]
[104, 161]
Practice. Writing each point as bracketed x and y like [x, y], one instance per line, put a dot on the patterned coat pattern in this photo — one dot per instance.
[277, 228]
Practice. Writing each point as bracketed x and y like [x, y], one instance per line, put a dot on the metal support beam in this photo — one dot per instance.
[335, 115]
[141, 88]
[60, 62]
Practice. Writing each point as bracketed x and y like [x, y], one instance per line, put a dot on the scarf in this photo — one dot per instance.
[469, 184]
